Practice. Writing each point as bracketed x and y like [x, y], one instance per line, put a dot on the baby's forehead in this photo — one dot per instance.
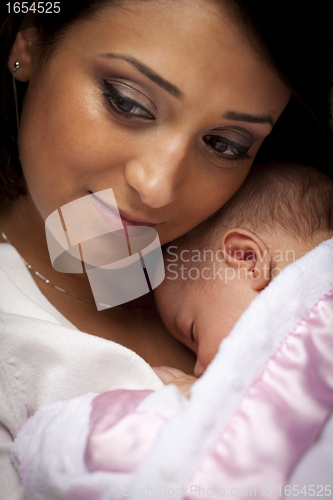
[183, 266]
[190, 250]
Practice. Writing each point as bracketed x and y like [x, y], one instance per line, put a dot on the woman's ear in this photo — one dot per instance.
[22, 53]
[243, 249]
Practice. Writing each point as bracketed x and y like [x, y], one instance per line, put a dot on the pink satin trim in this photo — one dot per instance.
[280, 416]
[119, 439]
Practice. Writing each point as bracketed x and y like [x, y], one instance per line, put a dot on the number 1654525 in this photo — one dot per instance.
[40, 7]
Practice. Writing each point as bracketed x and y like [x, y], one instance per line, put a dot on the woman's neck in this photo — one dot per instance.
[25, 228]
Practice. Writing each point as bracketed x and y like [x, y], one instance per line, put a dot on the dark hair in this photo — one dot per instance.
[283, 198]
[294, 199]
[293, 36]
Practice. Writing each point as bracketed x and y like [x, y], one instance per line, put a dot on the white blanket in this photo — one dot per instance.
[50, 452]
[44, 358]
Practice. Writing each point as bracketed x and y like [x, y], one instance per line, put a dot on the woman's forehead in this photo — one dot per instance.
[195, 46]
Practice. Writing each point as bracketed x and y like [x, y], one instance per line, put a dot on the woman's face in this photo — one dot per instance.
[164, 102]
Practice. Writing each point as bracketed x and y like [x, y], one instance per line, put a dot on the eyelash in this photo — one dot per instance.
[191, 334]
[114, 97]
[240, 152]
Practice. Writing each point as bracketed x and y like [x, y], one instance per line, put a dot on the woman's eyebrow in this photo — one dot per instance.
[245, 117]
[173, 90]
[169, 87]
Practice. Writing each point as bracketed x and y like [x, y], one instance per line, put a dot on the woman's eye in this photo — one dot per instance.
[124, 105]
[226, 148]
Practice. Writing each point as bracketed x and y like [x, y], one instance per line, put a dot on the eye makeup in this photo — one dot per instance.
[225, 144]
[229, 143]
[124, 105]
[226, 149]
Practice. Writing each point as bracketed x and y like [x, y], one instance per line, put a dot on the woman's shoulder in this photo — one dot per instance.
[19, 294]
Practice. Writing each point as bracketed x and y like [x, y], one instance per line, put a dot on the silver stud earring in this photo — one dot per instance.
[16, 67]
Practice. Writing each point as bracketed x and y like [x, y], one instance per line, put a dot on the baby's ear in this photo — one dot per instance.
[244, 250]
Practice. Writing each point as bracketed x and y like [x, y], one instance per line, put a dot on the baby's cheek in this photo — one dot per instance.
[207, 351]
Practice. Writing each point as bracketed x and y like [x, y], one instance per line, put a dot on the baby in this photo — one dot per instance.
[213, 272]
[212, 275]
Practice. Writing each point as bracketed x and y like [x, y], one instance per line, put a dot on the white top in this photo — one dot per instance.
[269, 387]
[44, 358]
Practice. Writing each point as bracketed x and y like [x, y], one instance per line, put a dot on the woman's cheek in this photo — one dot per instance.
[63, 149]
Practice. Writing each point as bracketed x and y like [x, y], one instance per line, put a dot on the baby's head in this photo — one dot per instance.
[215, 271]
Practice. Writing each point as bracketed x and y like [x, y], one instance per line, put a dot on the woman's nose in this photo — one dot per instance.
[158, 174]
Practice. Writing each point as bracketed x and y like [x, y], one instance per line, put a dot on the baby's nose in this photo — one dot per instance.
[198, 369]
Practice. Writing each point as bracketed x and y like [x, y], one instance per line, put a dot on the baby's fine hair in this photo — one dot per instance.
[294, 199]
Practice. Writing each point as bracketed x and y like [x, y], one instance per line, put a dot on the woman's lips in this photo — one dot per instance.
[133, 221]
[116, 218]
